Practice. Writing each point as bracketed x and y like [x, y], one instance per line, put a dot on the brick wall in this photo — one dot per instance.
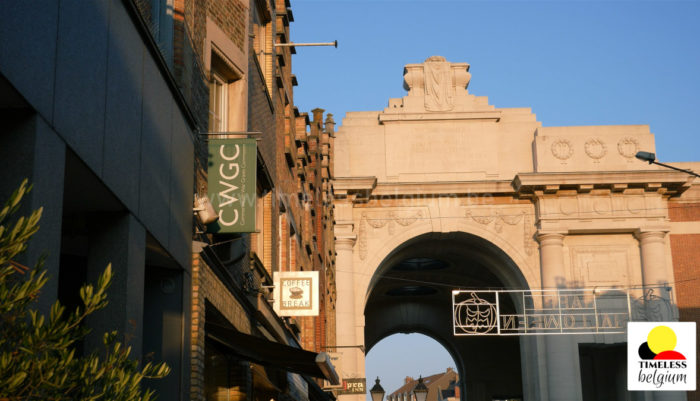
[196, 19]
[684, 211]
[207, 287]
[230, 16]
[267, 230]
[283, 243]
[261, 118]
[189, 30]
[685, 252]
[270, 111]
[685, 249]
[198, 90]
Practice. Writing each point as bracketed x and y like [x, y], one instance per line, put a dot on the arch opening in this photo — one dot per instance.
[418, 355]
[411, 292]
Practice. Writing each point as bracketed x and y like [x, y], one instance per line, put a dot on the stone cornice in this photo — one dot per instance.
[493, 116]
[348, 185]
[443, 188]
[666, 182]
[455, 65]
[354, 189]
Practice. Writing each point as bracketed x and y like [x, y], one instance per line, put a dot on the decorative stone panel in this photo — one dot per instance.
[610, 148]
[373, 220]
[603, 260]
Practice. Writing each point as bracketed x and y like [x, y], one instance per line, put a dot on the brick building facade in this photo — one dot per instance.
[126, 96]
[441, 387]
[258, 79]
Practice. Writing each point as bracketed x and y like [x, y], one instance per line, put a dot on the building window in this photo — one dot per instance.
[261, 30]
[218, 103]
[228, 91]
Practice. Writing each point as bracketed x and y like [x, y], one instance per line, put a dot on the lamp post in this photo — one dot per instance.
[651, 159]
[420, 391]
[377, 391]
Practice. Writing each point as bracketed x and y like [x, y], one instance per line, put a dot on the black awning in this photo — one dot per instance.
[267, 353]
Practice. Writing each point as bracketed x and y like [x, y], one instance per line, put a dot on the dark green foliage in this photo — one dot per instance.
[37, 354]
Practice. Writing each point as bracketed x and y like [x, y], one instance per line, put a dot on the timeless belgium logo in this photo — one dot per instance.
[661, 356]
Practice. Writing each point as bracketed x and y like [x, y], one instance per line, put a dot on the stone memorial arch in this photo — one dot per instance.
[442, 191]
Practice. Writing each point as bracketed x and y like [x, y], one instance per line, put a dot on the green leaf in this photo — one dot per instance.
[16, 380]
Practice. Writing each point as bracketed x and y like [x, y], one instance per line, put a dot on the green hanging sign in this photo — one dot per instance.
[232, 187]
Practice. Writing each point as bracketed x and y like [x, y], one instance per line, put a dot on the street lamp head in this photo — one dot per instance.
[420, 391]
[646, 156]
[651, 158]
[377, 391]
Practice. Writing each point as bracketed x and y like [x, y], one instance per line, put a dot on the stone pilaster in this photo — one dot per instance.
[552, 260]
[655, 276]
[345, 304]
[563, 376]
[351, 357]
[653, 251]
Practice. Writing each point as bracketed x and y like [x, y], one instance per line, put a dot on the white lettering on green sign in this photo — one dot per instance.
[231, 181]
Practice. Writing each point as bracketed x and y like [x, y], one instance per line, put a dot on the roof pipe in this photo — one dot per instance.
[333, 43]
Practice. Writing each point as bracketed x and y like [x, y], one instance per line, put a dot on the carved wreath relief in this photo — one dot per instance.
[628, 147]
[562, 149]
[595, 148]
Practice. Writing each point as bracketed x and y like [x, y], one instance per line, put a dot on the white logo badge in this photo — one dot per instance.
[661, 356]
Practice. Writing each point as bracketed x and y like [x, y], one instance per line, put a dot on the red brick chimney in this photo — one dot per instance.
[408, 379]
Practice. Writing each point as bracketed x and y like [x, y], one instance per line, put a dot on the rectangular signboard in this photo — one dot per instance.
[296, 293]
[353, 386]
[232, 184]
[537, 312]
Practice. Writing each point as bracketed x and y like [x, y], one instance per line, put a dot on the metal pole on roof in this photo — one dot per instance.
[333, 43]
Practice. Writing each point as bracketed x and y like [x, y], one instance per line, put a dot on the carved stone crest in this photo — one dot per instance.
[595, 148]
[562, 149]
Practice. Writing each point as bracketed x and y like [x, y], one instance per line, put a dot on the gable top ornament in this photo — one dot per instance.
[440, 83]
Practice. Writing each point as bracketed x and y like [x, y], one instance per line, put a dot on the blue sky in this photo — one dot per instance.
[401, 355]
[572, 62]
